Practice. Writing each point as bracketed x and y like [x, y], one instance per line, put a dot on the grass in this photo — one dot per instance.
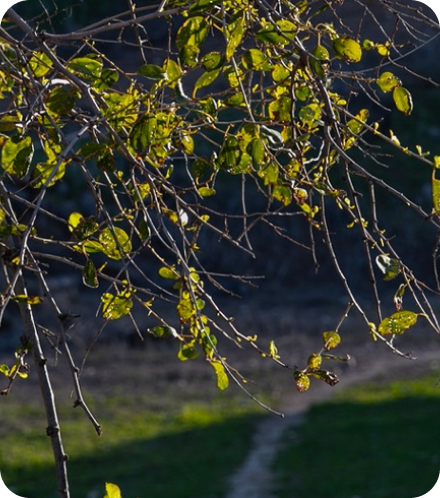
[185, 451]
[371, 441]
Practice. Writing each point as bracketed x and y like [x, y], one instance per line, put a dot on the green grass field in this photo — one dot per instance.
[371, 441]
[186, 451]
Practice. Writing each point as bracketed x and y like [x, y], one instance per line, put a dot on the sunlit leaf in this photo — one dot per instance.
[152, 72]
[387, 82]
[282, 33]
[206, 79]
[302, 381]
[17, 154]
[283, 194]
[40, 64]
[319, 61]
[212, 61]
[347, 48]
[310, 113]
[23, 298]
[115, 242]
[255, 60]
[397, 323]
[206, 191]
[403, 100]
[331, 340]
[436, 194]
[168, 273]
[116, 306]
[112, 491]
[89, 67]
[234, 32]
[314, 361]
[222, 376]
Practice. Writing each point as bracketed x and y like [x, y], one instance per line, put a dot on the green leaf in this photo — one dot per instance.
[319, 61]
[347, 48]
[187, 352]
[234, 32]
[152, 72]
[17, 154]
[387, 82]
[403, 100]
[212, 61]
[44, 171]
[302, 381]
[310, 113]
[173, 72]
[107, 79]
[206, 79]
[282, 33]
[280, 73]
[206, 191]
[144, 132]
[115, 242]
[356, 125]
[398, 323]
[257, 152]
[331, 340]
[112, 491]
[4, 369]
[116, 306]
[40, 64]
[61, 100]
[168, 273]
[89, 67]
[390, 267]
[90, 275]
[222, 377]
[163, 332]
[189, 38]
[314, 361]
[82, 228]
[255, 60]
[202, 6]
[283, 194]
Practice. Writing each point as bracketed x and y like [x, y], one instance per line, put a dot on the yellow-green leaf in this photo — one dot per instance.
[23, 298]
[222, 376]
[436, 194]
[302, 381]
[403, 100]
[314, 361]
[347, 48]
[331, 340]
[115, 242]
[387, 82]
[397, 323]
[168, 272]
[116, 306]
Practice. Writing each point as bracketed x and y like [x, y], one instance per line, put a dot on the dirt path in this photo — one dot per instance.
[254, 478]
